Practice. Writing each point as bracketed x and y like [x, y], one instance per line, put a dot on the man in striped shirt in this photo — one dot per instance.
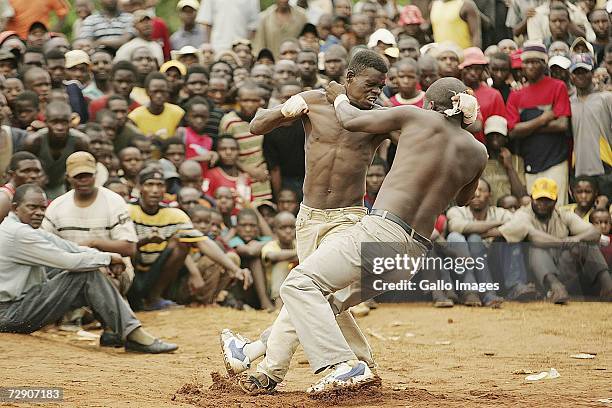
[109, 26]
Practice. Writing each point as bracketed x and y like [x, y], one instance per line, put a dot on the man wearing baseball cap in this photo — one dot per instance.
[591, 125]
[538, 115]
[190, 33]
[553, 258]
[77, 66]
[490, 100]
[505, 171]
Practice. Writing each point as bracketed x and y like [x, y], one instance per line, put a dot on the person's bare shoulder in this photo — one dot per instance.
[32, 142]
[315, 96]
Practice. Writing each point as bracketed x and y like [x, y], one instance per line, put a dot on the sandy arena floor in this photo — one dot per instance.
[427, 357]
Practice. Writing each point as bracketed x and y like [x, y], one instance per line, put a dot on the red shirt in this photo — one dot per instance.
[416, 101]
[160, 33]
[216, 178]
[491, 103]
[540, 150]
[197, 145]
[100, 104]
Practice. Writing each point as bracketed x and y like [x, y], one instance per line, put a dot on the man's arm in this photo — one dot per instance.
[524, 129]
[113, 41]
[266, 120]
[379, 121]
[557, 125]
[516, 186]
[480, 227]
[5, 206]
[465, 195]
[282, 255]
[209, 248]
[470, 14]
[121, 247]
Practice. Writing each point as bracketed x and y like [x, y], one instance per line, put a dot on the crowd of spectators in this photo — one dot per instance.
[141, 141]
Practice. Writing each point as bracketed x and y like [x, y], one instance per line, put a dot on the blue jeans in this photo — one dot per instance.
[473, 247]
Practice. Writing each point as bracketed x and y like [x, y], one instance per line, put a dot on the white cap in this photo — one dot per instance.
[383, 35]
[76, 57]
[560, 61]
[496, 124]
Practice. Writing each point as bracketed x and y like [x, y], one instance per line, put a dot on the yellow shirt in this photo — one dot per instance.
[163, 125]
[447, 24]
[572, 208]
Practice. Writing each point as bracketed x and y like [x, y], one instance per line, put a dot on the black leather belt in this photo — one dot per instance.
[394, 218]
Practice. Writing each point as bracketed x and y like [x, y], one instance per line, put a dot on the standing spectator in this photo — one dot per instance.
[499, 67]
[429, 70]
[93, 216]
[489, 99]
[538, 115]
[591, 125]
[122, 78]
[251, 158]
[124, 131]
[100, 84]
[83, 9]
[24, 168]
[308, 62]
[283, 149]
[38, 80]
[335, 61]
[160, 119]
[600, 20]
[198, 143]
[53, 145]
[457, 21]
[449, 56]
[190, 33]
[411, 20]
[408, 78]
[215, 14]
[144, 29]
[26, 13]
[109, 26]
[159, 29]
[409, 48]
[197, 84]
[561, 20]
[504, 171]
[561, 264]
[519, 12]
[277, 23]
[227, 174]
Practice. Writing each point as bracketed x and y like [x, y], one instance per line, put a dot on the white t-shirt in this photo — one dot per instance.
[106, 218]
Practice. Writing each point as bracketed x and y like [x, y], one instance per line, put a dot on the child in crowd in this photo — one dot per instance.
[408, 77]
[198, 143]
[248, 243]
[227, 174]
[130, 163]
[600, 218]
[280, 255]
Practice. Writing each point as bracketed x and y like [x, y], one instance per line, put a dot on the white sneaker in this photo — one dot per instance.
[344, 375]
[232, 346]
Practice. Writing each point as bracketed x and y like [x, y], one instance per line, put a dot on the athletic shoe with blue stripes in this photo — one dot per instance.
[232, 347]
[345, 375]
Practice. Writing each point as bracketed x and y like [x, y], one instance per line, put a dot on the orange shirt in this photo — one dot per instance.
[29, 12]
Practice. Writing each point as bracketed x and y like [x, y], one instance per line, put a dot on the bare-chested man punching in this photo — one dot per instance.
[438, 161]
[336, 165]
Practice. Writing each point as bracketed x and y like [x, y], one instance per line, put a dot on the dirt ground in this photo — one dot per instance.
[427, 357]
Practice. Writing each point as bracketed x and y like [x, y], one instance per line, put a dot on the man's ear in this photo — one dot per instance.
[350, 75]
[13, 206]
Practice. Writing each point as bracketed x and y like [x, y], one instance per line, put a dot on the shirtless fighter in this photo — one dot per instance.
[336, 165]
[433, 170]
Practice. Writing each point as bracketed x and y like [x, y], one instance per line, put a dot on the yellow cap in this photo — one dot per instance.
[79, 163]
[544, 187]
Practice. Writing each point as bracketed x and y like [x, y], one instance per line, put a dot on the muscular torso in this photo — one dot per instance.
[435, 160]
[336, 160]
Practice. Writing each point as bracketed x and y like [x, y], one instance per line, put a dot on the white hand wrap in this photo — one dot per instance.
[468, 105]
[339, 99]
[295, 106]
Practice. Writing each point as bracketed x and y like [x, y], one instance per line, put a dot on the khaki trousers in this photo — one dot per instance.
[336, 264]
[315, 227]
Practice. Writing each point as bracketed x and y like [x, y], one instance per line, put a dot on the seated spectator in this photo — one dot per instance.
[374, 179]
[53, 145]
[173, 151]
[600, 218]
[288, 201]
[165, 238]
[34, 301]
[473, 224]
[198, 143]
[279, 256]
[226, 204]
[584, 191]
[189, 197]
[190, 175]
[160, 119]
[23, 168]
[227, 174]
[248, 243]
[206, 278]
[509, 202]
[561, 266]
[504, 171]
[408, 78]
[268, 211]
